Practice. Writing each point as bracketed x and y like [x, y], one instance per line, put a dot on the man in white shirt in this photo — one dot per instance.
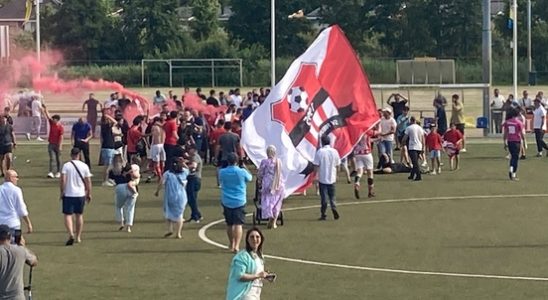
[496, 111]
[326, 162]
[415, 135]
[159, 99]
[75, 185]
[36, 113]
[539, 125]
[111, 102]
[12, 205]
[388, 127]
[236, 98]
[526, 103]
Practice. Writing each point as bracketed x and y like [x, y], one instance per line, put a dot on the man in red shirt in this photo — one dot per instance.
[214, 138]
[453, 144]
[170, 143]
[55, 140]
[433, 146]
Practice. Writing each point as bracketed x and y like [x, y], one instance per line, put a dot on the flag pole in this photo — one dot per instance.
[273, 43]
[515, 46]
[38, 56]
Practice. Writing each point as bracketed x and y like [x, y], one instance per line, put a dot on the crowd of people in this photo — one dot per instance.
[169, 142]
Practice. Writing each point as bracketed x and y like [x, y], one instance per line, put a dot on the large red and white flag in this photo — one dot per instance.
[325, 91]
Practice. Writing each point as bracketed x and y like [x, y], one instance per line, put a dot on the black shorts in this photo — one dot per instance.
[73, 205]
[5, 149]
[234, 216]
[460, 127]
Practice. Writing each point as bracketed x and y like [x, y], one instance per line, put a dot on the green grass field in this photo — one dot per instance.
[494, 235]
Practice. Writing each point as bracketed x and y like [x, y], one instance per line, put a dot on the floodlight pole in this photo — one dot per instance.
[38, 56]
[273, 43]
[529, 54]
[486, 60]
[515, 46]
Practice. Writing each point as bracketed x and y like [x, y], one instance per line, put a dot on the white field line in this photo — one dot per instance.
[203, 236]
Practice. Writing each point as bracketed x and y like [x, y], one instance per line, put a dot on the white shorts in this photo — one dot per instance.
[157, 153]
[364, 161]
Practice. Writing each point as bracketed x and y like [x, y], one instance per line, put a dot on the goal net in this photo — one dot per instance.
[191, 72]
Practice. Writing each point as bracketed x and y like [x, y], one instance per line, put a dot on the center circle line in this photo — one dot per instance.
[202, 233]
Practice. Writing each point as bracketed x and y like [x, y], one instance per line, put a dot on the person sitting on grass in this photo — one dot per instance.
[452, 145]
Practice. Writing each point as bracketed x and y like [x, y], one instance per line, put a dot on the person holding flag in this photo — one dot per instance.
[325, 93]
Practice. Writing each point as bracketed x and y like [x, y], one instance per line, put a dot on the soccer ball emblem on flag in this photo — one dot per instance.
[324, 92]
[311, 112]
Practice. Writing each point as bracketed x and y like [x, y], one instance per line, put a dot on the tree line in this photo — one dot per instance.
[91, 30]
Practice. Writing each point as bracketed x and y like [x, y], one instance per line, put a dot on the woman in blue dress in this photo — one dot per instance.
[175, 199]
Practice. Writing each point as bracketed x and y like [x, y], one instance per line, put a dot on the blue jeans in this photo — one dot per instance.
[513, 148]
[124, 205]
[386, 147]
[193, 185]
[327, 191]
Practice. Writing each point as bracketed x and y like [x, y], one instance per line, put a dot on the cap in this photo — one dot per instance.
[4, 232]
[75, 151]
[432, 125]
[387, 109]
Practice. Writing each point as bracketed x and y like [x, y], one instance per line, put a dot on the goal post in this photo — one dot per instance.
[193, 72]
[421, 98]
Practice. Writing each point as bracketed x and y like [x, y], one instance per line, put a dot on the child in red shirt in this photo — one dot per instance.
[453, 143]
[433, 146]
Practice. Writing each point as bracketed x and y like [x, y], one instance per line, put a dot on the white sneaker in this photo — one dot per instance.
[106, 183]
[424, 164]
[439, 170]
[50, 175]
[463, 150]
[433, 173]
[57, 175]
[28, 136]
[112, 181]
[39, 139]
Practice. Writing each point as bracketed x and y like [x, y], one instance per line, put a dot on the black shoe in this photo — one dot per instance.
[371, 195]
[523, 157]
[357, 192]
[418, 179]
[335, 214]
[70, 242]
[510, 175]
[410, 177]
[322, 218]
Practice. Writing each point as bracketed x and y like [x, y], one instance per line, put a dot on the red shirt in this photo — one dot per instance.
[215, 135]
[513, 129]
[433, 141]
[453, 136]
[56, 131]
[133, 136]
[170, 128]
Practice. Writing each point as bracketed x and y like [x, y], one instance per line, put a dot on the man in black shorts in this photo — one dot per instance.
[75, 192]
[7, 143]
[233, 199]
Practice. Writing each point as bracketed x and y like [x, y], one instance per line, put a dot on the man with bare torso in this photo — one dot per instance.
[157, 152]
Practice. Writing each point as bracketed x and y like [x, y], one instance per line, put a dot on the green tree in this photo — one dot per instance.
[149, 27]
[250, 23]
[77, 27]
[205, 18]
